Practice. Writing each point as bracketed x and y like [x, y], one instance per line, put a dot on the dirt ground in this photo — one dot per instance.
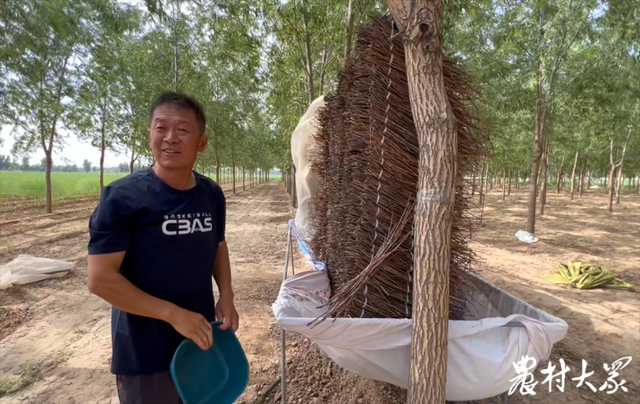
[55, 336]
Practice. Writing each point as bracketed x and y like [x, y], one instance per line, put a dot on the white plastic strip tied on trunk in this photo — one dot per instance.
[481, 351]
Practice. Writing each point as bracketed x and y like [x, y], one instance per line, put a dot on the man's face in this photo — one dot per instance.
[175, 137]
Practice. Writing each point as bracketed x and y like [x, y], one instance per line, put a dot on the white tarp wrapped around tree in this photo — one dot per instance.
[28, 269]
[306, 185]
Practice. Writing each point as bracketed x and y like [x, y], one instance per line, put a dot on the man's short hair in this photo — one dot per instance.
[181, 101]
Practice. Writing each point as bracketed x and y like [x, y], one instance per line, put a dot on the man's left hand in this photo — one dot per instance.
[226, 312]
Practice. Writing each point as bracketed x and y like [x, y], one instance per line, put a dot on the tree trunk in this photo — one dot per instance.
[233, 169]
[102, 142]
[482, 185]
[347, 48]
[620, 183]
[509, 190]
[294, 193]
[517, 180]
[132, 162]
[545, 179]
[102, 148]
[615, 167]
[504, 183]
[215, 150]
[420, 20]
[612, 175]
[589, 181]
[48, 203]
[473, 184]
[535, 162]
[307, 52]
[583, 174]
[573, 173]
[243, 186]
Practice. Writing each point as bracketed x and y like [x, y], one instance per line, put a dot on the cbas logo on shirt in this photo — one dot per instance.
[186, 223]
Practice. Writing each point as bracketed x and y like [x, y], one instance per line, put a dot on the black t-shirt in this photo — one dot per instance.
[171, 240]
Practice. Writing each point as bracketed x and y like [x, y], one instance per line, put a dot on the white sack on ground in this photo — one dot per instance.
[481, 352]
[526, 237]
[306, 184]
[27, 269]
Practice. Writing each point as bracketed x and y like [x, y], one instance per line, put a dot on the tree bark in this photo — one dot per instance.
[620, 183]
[46, 141]
[215, 150]
[347, 48]
[294, 193]
[481, 190]
[102, 142]
[612, 174]
[309, 62]
[473, 184]
[102, 149]
[615, 167]
[560, 173]
[509, 190]
[288, 182]
[48, 204]
[573, 173]
[545, 179]
[132, 161]
[233, 169]
[504, 183]
[583, 174]
[243, 186]
[421, 22]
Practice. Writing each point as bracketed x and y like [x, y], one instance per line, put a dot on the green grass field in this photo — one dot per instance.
[16, 185]
[30, 185]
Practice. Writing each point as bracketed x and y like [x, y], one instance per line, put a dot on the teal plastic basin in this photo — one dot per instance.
[216, 376]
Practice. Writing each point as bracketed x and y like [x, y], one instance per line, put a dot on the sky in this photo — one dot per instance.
[75, 151]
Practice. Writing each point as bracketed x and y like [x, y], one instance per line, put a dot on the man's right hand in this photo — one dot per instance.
[193, 326]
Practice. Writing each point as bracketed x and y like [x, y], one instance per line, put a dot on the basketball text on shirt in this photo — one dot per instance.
[186, 223]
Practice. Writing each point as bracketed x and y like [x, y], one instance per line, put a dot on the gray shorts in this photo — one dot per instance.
[157, 388]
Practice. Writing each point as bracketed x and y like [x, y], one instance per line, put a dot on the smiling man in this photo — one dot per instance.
[157, 237]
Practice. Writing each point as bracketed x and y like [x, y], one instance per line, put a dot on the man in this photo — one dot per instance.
[156, 238]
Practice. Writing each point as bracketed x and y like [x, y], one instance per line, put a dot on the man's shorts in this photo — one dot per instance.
[157, 388]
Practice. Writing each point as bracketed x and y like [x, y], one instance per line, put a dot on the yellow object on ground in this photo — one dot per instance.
[586, 276]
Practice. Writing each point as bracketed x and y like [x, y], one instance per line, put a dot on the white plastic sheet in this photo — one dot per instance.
[481, 350]
[526, 237]
[306, 184]
[27, 269]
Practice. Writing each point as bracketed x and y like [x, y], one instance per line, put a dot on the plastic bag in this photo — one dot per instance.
[526, 237]
[302, 145]
[27, 269]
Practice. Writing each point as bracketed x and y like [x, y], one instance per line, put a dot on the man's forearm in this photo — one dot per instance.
[119, 292]
[222, 271]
